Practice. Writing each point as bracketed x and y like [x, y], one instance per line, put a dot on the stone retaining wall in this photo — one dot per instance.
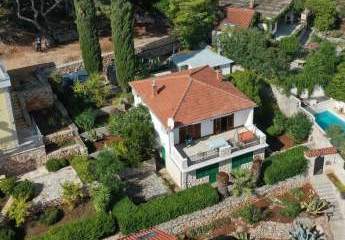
[224, 209]
[23, 162]
[289, 105]
[77, 149]
[161, 47]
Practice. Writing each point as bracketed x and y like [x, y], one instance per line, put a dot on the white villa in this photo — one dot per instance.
[204, 124]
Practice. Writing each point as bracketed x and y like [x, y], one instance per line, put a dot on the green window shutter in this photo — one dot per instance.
[237, 162]
[210, 171]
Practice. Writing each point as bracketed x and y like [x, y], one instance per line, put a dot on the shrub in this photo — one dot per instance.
[86, 120]
[299, 127]
[83, 166]
[51, 216]
[24, 190]
[132, 218]
[278, 126]
[284, 165]
[7, 185]
[290, 209]
[290, 45]
[92, 228]
[54, 165]
[7, 233]
[71, 194]
[251, 214]
[100, 196]
[18, 211]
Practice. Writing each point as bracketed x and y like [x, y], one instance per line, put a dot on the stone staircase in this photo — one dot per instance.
[17, 112]
[324, 188]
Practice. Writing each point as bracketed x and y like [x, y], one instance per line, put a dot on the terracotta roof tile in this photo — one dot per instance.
[151, 234]
[191, 96]
[241, 17]
[321, 152]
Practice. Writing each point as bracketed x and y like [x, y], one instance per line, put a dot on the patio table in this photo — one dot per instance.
[217, 143]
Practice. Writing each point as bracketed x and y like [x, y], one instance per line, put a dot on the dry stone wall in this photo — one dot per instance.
[224, 209]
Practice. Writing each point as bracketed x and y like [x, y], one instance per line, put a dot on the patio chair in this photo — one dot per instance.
[188, 141]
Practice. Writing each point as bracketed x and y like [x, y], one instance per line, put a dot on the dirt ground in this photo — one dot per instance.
[17, 56]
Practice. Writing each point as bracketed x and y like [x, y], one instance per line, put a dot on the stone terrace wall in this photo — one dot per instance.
[224, 209]
[289, 105]
[161, 47]
[22, 162]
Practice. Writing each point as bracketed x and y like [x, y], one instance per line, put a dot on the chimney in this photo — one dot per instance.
[219, 75]
[154, 88]
[251, 4]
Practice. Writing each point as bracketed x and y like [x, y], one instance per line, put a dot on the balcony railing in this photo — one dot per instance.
[234, 145]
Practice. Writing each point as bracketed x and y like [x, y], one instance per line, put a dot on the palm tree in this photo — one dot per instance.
[243, 182]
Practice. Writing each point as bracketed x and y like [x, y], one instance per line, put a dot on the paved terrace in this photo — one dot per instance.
[209, 147]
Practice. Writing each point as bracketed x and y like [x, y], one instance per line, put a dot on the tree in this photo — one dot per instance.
[249, 83]
[136, 129]
[192, 20]
[252, 50]
[36, 12]
[336, 87]
[122, 24]
[299, 127]
[88, 37]
[243, 182]
[290, 45]
[324, 11]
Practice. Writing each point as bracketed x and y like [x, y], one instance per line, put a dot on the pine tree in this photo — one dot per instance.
[122, 24]
[88, 38]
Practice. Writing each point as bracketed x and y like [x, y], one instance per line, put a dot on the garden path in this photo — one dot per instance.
[325, 190]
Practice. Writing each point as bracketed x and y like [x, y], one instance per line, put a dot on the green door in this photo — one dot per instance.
[163, 155]
[211, 171]
[237, 162]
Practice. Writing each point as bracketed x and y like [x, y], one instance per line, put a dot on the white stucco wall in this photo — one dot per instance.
[244, 117]
[206, 127]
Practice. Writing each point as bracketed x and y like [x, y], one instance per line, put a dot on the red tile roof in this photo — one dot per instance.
[321, 152]
[191, 96]
[151, 234]
[241, 17]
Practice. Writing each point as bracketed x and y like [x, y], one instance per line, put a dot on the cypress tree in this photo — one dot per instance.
[122, 24]
[88, 37]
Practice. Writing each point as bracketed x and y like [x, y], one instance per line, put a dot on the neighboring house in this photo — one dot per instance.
[198, 58]
[204, 124]
[276, 17]
[20, 139]
[238, 17]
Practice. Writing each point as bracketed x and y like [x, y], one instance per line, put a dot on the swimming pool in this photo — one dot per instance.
[327, 118]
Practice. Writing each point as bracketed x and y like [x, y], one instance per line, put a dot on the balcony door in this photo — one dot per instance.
[223, 124]
[190, 132]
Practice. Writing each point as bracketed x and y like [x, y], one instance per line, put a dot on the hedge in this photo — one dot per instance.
[132, 218]
[92, 228]
[284, 165]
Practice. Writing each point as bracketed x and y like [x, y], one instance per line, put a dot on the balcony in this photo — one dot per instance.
[221, 145]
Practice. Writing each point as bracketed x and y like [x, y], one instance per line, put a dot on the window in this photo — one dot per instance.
[190, 132]
[223, 124]
[237, 162]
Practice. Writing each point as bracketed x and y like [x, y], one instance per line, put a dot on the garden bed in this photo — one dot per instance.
[50, 120]
[280, 142]
[100, 144]
[53, 146]
[227, 227]
[33, 227]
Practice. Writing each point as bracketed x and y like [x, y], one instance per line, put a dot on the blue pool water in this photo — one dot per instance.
[326, 119]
